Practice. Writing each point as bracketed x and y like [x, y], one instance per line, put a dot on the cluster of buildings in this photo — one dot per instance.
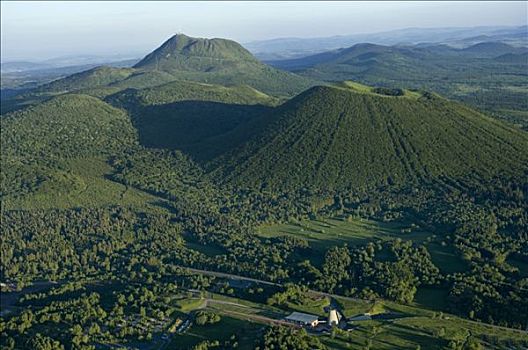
[335, 319]
[313, 322]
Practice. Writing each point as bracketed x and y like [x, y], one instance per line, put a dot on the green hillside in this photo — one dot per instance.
[211, 61]
[182, 52]
[65, 126]
[179, 90]
[184, 115]
[99, 76]
[105, 197]
[353, 136]
[54, 154]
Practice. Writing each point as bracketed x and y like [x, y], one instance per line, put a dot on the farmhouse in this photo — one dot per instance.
[303, 319]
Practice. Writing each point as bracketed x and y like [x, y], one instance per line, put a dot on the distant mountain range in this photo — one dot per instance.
[283, 48]
[487, 75]
[360, 54]
[16, 66]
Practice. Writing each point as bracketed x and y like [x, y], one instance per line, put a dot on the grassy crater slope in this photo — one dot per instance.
[351, 135]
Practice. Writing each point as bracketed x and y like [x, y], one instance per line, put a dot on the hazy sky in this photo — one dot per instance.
[40, 30]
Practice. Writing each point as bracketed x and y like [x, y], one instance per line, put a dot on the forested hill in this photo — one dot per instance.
[213, 61]
[184, 52]
[351, 135]
[66, 126]
[220, 61]
[183, 115]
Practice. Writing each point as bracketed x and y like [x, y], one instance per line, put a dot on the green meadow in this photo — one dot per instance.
[324, 233]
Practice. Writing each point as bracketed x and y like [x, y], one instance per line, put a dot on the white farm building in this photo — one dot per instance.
[303, 319]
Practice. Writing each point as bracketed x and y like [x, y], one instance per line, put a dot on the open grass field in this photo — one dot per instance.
[446, 258]
[383, 335]
[189, 304]
[351, 308]
[328, 232]
[221, 303]
[419, 327]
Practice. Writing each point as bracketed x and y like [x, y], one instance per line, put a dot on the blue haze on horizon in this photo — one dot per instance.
[41, 30]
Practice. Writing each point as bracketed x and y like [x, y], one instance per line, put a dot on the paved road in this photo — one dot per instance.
[228, 275]
[255, 280]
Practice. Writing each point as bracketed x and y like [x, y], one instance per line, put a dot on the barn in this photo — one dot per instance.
[303, 319]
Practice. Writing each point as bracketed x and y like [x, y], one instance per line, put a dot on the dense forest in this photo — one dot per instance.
[116, 182]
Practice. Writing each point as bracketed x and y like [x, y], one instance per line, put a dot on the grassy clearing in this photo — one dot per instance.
[325, 233]
[365, 89]
[382, 335]
[331, 231]
[189, 304]
[446, 258]
[419, 327]
[245, 306]
[311, 306]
